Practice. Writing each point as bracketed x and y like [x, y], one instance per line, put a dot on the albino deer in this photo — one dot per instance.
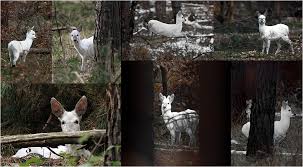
[277, 33]
[177, 122]
[85, 47]
[70, 123]
[20, 48]
[168, 30]
[280, 127]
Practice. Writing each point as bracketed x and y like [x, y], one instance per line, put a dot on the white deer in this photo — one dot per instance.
[276, 32]
[85, 47]
[70, 123]
[177, 122]
[168, 30]
[21, 48]
[280, 127]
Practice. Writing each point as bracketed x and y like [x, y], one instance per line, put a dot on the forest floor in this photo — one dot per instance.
[36, 69]
[199, 42]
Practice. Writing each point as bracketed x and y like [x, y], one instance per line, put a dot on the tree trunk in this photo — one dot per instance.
[176, 6]
[107, 36]
[164, 79]
[108, 50]
[160, 10]
[113, 131]
[260, 141]
[127, 25]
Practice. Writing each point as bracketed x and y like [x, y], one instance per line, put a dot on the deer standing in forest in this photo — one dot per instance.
[280, 127]
[276, 33]
[84, 47]
[177, 122]
[21, 48]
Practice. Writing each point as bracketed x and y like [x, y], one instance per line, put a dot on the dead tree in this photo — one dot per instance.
[260, 141]
[107, 40]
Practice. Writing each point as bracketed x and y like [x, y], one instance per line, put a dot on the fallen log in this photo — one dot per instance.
[51, 139]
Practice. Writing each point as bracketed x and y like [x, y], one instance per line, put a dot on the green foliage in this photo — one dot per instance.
[83, 138]
[69, 160]
[35, 160]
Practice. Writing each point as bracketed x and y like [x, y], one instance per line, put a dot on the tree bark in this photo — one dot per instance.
[164, 79]
[176, 6]
[107, 36]
[160, 10]
[49, 139]
[108, 50]
[113, 130]
[260, 141]
[127, 25]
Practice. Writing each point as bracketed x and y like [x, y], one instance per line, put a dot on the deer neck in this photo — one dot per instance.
[27, 43]
[166, 114]
[262, 29]
[284, 122]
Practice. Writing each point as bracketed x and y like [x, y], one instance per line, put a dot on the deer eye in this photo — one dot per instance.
[63, 122]
[77, 35]
[76, 122]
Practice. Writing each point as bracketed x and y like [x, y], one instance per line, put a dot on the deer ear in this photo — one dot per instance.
[179, 13]
[258, 13]
[79, 28]
[284, 104]
[33, 28]
[171, 98]
[265, 13]
[161, 97]
[57, 108]
[81, 106]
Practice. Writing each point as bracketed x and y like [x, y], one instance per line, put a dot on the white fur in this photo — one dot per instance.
[273, 33]
[20, 48]
[85, 47]
[43, 151]
[70, 123]
[280, 127]
[177, 122]
[168, 30]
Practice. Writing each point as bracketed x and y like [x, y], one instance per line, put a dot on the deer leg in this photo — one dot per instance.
[268, 46]
[24, 56]
[279, 47]
[82, 62]
[264, 45]
[179, 138]
[172, 137]
[16, 56]
[286, 39]
[191, 137]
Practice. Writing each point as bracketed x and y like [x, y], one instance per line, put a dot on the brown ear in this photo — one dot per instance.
[81, 106]
[57, 108]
